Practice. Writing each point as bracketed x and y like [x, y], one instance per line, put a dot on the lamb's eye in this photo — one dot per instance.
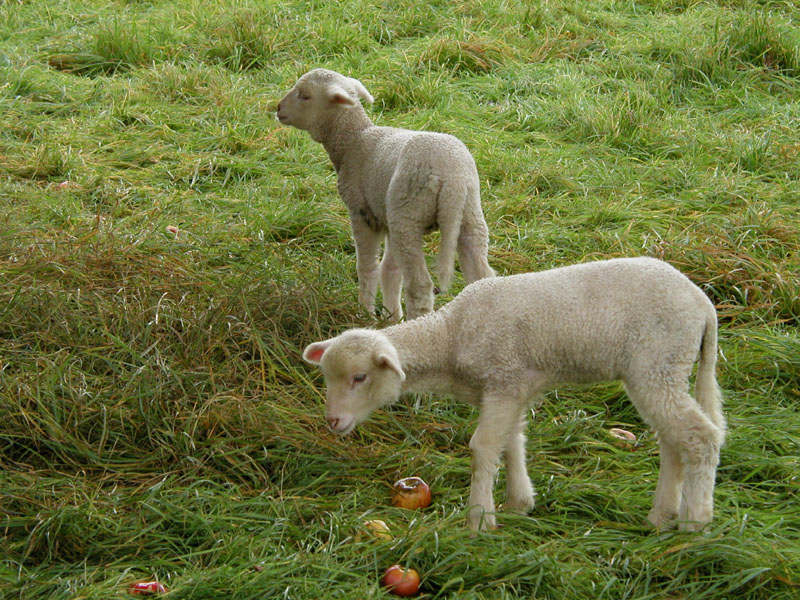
[303, 96]
[359, 378]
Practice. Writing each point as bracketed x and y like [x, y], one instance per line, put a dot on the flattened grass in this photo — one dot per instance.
[155, 417]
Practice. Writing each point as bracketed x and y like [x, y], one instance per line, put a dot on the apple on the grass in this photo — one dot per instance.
[400, 581]
[411, 492]
[625, 439]
[147, 588]
[376, 528]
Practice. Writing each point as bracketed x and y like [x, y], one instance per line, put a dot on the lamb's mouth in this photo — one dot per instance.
[346, 429]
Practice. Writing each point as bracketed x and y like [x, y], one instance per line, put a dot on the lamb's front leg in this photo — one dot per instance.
[499, 416]
[519, 489]
[367, 244]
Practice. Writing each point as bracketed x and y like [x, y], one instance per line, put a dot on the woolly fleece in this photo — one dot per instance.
[503, 341]
[397, 184]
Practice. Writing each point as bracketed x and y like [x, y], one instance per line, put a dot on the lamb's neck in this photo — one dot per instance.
[340, 133]
[424, 349]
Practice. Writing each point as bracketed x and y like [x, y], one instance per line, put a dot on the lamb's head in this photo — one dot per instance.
[317, 97]
[362, 372]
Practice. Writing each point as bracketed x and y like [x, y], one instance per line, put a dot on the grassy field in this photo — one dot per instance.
[156, 420]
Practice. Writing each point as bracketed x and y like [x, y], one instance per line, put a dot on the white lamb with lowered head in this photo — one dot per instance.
[397, 184]
[504, 341]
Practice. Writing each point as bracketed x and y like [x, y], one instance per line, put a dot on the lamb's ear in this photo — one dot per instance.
[338, 95]
[361, 91]
[387, 362]
[313, 352]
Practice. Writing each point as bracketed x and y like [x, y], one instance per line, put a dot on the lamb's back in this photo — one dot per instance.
[423, 158]
[586, 319]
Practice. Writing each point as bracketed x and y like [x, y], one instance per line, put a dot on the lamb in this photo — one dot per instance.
[398, 185]
[504, 341]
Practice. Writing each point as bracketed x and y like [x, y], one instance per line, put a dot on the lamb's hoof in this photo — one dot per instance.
[662, 520]
[691, 526]
[483, 529]
[436, 291]
[384, 314]
[479, 521]
[519, 506]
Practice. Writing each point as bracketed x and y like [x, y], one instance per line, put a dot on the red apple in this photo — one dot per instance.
[400, 581]
[147, 588]
[411, 492]
[626, 436]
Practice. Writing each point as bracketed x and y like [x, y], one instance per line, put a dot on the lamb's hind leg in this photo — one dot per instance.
[473, 243]
[406, 248]
[519, 489]
[498, 418]
[700, 446]
[666, 504]
[692, 442]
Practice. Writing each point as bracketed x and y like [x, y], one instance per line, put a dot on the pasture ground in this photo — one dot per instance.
[156, 420]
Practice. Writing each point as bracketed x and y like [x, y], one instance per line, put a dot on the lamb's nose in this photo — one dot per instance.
[279, 106]
[332, 422]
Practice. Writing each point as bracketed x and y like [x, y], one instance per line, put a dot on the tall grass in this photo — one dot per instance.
[156, 420]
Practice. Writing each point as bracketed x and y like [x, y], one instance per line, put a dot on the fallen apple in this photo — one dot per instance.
[411, 492]
[400, 581]
[376, 528]
[146, 588]
[627, 439]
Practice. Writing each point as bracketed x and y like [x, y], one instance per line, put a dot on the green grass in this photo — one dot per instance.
[156, 420]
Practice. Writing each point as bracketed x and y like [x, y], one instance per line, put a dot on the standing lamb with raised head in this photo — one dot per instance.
[397, 184]
[504, 341]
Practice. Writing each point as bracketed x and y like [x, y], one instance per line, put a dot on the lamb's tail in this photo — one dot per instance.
[449, 216]
[706, 389]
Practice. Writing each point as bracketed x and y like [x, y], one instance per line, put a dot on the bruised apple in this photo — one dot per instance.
[411, 492]
[400, 581]
[625, 438]
[147, 588]
[376, 528]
